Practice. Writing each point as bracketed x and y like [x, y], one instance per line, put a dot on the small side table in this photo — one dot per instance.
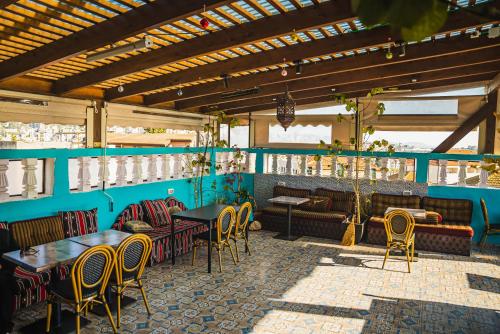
[289, 201]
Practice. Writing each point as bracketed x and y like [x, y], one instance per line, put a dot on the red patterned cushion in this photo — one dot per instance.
[26, 279]
[132, 212]
[156, 213]
[172, 201]
[76, 223]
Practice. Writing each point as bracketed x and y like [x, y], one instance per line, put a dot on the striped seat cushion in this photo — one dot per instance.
[26, 279]
[453, 211]
[34, 232]
[172, 201]
[436, 229]
[76, 223]
[156, 212]
[132, 212]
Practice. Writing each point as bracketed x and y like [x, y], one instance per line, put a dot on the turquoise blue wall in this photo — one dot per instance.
[62, 199]
[491, 196]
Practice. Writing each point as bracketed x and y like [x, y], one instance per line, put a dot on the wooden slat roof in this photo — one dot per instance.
[28, 26]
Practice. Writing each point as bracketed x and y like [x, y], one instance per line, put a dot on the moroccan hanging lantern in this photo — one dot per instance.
[285, 109]
[204, 23]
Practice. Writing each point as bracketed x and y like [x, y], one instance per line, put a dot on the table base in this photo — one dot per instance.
[99, 310]
[400, 253]
[68, 323]
[287, 237]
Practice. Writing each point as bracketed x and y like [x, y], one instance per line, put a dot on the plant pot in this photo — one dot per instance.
[359, 230]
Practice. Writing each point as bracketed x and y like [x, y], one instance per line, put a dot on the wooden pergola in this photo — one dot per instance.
[235, 63]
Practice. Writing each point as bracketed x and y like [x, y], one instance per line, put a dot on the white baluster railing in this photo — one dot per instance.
[288, 168]
[84, 174]
[4, 181]
[137, 169]
[483, 175]
[103, 175]
[152, 168]
[121, 170]
[402, 169]
[177, 174]
[274, 163]
[383, 168]
[303, 165]
[367, 169]
[462, 172]
[350, 167]
[333, 168]
[319, 166]
[165, 166]
[29, 178]
[443, 172]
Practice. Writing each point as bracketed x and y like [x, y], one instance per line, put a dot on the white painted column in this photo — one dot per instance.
[247, 163]
[333, 170]
[288, 164]
[152, 168]
[177, 166]
[350, 167]
[84, 174]
[462, 172]
[402, 169]
[274, 163]
[303, 165]
[319, 166]
[367, 169]
[483, 175]
[383, 168]
[165, 166]
[137, 169]
[103, 175]
[29, 178]
[121, 170]
[443, 173]
[4, 181]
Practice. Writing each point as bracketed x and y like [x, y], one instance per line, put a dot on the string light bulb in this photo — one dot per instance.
[294, 36]
[120, 89]
[180, 92]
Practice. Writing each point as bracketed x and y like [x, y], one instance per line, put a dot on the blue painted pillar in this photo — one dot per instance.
[422, 166]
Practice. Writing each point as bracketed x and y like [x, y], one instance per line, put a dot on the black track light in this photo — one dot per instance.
[298, 66]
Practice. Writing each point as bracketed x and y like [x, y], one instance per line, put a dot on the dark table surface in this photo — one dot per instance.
[205, 213]
[108, 237]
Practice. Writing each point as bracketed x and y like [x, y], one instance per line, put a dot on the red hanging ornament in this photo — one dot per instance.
[204, 23]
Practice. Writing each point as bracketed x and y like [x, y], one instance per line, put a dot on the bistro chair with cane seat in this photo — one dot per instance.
[240, 230]
[131, 257]
[399, 226]
[89, 277]
[220, 235]
[489, 229]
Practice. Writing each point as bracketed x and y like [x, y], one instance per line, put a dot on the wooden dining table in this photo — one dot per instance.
[50, 255]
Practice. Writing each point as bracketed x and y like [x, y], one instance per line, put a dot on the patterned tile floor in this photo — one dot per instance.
[314, 286]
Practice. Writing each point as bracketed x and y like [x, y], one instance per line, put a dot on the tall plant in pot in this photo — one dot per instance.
[359, 143]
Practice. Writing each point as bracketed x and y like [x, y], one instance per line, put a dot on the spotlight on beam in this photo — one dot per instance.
[298, 66]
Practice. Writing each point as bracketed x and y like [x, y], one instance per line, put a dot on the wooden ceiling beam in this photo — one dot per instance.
[413, 52]
[5, 3]
[326, 46]
[415, 77]
[250, 32]
[138, 20]
[469, 124]
[451, 63]
[353, 91]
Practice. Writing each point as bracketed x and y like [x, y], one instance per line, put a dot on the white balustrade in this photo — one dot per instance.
[367, 169]
[247, 165]
[288, 170]
[483, 175]
[319, 166]
[333, 168]
[303, 164]
[29, 178]
[383, 168]
[103, 175]
[443, 172]
[4, 181]
[402, 169]
[137, 169]
[274, 163]
[84, 174]
[121, 170]
[462, 172]
[165, 166]
[152, 168]
[350, 167]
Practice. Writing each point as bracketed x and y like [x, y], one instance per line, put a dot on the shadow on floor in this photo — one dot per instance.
[484, 283]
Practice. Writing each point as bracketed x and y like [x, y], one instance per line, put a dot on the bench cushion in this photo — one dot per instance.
[317, 203]
[380, 203]
[454, 211]
[131, 212]
[156, 212]
[76, 223]
[341, 200]
[310, 215]
[26, 279]
[438, 229]
[292, 192]
[34, 232]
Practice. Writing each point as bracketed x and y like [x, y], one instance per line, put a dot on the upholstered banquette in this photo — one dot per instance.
[157, 214]
[31, 288]
[320, 217]
[451, 233]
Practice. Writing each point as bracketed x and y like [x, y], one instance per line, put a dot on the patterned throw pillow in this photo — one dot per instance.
[317, 203]
[174, 209]
[137, 226]
[156, 213]
[76, 223]
[433, 218]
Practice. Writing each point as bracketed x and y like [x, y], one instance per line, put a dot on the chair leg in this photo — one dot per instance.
[247, 247]
[232, 254]
[408, 259]
[77, 320]
[49, 317]
[118, 305]
[236, 248]
[220, 258]
[144, 297]
[385, 257]
[483, 240]
[412, 250]
[194, 255]
[108, 312]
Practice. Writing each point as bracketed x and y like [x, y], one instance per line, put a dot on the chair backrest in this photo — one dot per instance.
[131, 257]
[243, 216]
[399, 225]
[225, 223]
[484, 209]
[91, 271]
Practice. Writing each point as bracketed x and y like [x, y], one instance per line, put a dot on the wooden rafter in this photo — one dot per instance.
[236, 36]
[133, 22]
[469, 124]
[413, 53]
[5, 3]
[327, 46]
[353, 91]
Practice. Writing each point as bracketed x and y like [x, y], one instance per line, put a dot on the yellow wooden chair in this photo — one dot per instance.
[240, 229]
[89, 277]
[399, 226]
[220, 235]
[131, 258]
[489, 229]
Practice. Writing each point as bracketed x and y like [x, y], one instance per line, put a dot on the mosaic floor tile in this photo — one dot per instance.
[313, 286]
